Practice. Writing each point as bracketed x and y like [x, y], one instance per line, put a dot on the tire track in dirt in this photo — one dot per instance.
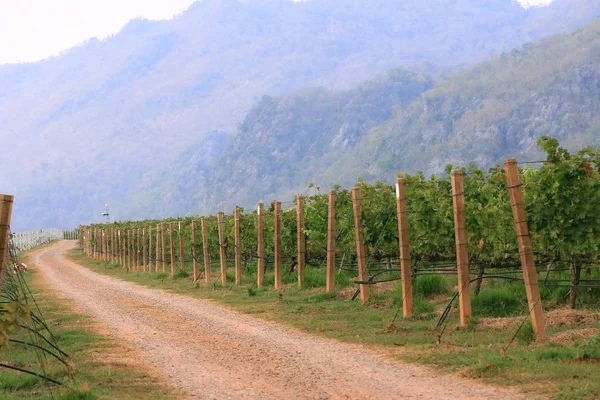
[210, 352]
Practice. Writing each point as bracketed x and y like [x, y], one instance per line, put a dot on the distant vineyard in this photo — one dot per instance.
[24, 241]
[464, 219]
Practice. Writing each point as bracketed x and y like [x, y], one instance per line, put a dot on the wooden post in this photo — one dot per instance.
[119, 248]
[205, 250]
[138, 255]
[277, 245]
[150, 249]
[93, 246]
[462, 249]
[163, 238]
[181, 249]
[238, 247]
[300, 239]
[194, 251]
[144, 250]
[363, 274]
[129, 255]
[404, 245]
[260, 268]
[157, 250]
[330, 286]
[134, 253]
[222, 259]
[172, 246]
[525, 249]
[6, 204]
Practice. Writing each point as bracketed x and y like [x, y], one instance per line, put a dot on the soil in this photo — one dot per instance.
[207, 351]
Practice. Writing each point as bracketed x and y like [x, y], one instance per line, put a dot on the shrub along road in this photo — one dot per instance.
[208, 351]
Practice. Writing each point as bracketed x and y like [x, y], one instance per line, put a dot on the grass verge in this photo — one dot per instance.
[566, 369]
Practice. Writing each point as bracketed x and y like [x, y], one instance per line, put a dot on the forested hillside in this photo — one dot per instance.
[481, 115]
[108, 116]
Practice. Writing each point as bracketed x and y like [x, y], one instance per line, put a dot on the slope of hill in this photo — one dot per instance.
[108, 114]
[484, 114]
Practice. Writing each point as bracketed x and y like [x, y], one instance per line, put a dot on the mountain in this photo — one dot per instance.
[481, 115]
[97, 123]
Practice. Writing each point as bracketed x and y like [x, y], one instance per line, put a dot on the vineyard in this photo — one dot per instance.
[539, 224]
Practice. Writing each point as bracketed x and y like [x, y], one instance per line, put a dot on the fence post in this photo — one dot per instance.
[404, 245]
[277, 245]
[157, 250]
[194, 251]
[119, 248]
[163, 238]
[462, 248]
[172, 246]
[205, 250]
[300, 240]
[181, 249]
[6, 204]
[150, 248]
[138, 255]
[330, 285]
[144, 250]
[363, 274]
[238, 247]
[222, 259]
[525, 249]
[260, 267]
[129, 255]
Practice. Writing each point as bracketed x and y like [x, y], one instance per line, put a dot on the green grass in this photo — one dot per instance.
[97, 373]
[561, 372]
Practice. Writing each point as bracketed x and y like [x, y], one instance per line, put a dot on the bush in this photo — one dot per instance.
[430, 285]
[498, 302]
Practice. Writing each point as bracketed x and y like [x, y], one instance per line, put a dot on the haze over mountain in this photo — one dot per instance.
[482, 115]
[103, 121]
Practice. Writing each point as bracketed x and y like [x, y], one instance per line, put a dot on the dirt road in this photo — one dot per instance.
[209, 352]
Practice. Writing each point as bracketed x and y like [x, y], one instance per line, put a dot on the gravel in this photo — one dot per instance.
[209, 352]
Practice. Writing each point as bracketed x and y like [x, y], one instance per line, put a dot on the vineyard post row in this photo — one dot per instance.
[96, 246]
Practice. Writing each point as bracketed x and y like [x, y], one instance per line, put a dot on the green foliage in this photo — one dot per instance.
[562, 199]
[430, 285]
[498, 302]
[12, 315]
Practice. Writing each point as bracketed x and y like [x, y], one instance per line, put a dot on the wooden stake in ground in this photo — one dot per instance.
[172, 246]
[157, 250]
[144, 247]
[194, 249]
[150, 247]
[404, 245]
[300, 240]
[205, 250]
[138, 253]
[6, 204]
[222, 259]
[277, 245]
[163, 238]
[525, 249]
[462, 249]
[181, 250]
[260, 268]
[129, 252]
[330, 285]
[119, 248]
[363, 274]
[238, 246]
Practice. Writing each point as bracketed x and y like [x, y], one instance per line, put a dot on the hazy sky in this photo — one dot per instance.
[34, 29]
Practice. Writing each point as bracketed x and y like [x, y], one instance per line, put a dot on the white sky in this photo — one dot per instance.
[34, 29]
[31, 30]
